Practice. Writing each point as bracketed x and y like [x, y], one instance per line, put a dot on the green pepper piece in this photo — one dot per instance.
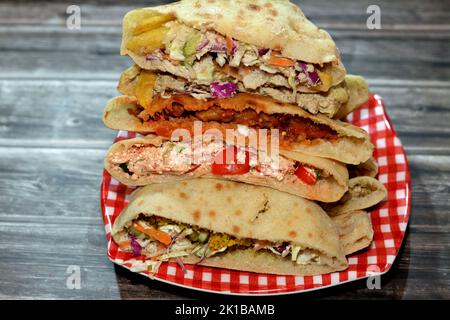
[203, 236]
[189, 60]
[190, 47]
[193, 236]
[134, 232]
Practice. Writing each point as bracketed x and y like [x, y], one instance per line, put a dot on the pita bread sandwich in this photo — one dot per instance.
[363, 192]
[153, 159]
[147, 86]
[298, 130]
[238, 226]
[355, 230]
[267, 48]
[368, 168]
[358, 94]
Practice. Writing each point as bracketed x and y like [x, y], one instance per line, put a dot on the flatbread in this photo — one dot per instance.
[358, 91]
[278, 25]
[355, 230]
[363, 192]
[243, 211]
[326, 190]
[353, 145]
[336, 103]
[368, 168]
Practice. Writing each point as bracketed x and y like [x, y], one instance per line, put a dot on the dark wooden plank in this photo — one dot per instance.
[68, 114]
[55, 113]
[55, 52]
[324, 13]
[55, 182]
[50, 219]
[420, 116]
[35, 258]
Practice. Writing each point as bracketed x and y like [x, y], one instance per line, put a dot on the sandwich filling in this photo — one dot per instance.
[206, 57]
[133, 82]
[162, 239]
[181, 111]
[214, 158]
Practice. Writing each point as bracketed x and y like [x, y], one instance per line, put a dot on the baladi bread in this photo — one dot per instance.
[358, 94]
[368, 168]
[329, 189]
[341, 99]
[363, 192]
[243, 211]
[278, 25]
[352, 145]
[355, 230]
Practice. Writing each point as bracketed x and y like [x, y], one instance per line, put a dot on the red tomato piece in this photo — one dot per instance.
[221, 167]
[307, 175]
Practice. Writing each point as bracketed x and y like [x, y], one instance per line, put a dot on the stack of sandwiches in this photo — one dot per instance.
[243, 159]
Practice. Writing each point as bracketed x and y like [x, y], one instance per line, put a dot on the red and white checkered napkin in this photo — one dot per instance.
[389, 220]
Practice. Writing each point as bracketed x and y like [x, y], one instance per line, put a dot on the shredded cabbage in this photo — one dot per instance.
[182, 244]
[171, 229]
[294, 252]
[135, 246]
[204, 69]
[210, 253]
[263, 51]
[203, 43]
[219, 45]
[313, 76]
[181, 264]
[224, 90]
[173, 255]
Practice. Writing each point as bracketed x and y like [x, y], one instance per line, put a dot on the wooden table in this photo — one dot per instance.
[54, 83]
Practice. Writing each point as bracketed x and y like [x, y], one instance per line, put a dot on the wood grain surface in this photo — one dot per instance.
[54, 83]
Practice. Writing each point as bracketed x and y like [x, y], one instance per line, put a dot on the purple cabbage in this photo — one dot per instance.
[203, 43]
[313, 77]
[219, 46]
[135, 246]
[281, 247]
[263, 51]
[151, 57]
[235, 47]
[181, 264]
[176, 91]
[224, 90]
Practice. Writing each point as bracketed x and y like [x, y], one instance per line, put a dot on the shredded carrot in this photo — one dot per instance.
[172, 61]
[124, 244]
[158, 235]
[247, 70]
[281, 62]
[229, 44]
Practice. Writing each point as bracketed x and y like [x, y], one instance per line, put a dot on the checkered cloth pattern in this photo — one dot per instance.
[389, 219]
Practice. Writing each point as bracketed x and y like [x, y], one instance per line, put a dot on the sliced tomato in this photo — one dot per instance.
[221, 167]
[307, 175]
